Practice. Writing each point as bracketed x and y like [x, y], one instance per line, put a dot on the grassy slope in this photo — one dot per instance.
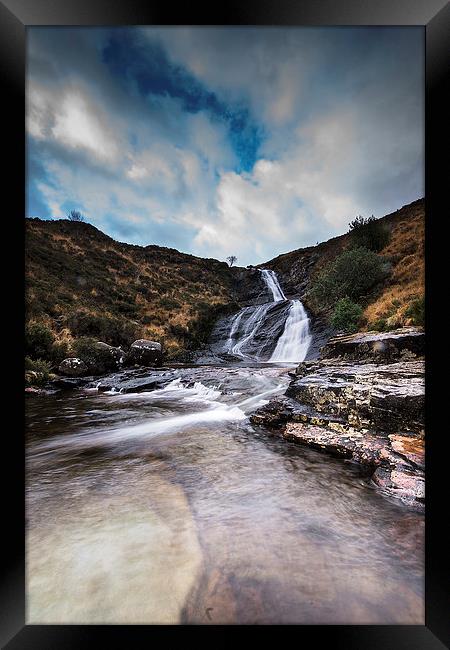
[74, 270]
[405, 251]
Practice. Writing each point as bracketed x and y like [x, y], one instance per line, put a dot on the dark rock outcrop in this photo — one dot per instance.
[144, 353]
[404, 343]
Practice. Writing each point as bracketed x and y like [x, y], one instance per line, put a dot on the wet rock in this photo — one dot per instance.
[70, 383]
[395, 473]
[370, 413]
[144, 353]
[73, 367]
[404, 343]
[407, 485]
[274, 415]
[410, 448]
[31, 390]
[271, 325]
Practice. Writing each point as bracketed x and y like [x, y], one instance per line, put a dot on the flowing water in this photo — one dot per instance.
[293, 344]
[169, 506]
[295, 339]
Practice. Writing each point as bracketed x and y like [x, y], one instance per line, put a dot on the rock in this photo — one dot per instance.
[370, 413]
[107, 358]
[274, 415]
[411, 448]
[388, 398]
[403, 343]
[144, 353]
[395, 473]
[404, 484]
[117, 355]
[73, 367]
[69, 383]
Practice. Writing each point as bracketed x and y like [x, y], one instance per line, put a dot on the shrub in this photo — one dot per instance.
[38, 341]
[346, 315]
[37, 371]
[60, 350]
[369, 233]
[352, 274]
[416, 311]
[115, 331]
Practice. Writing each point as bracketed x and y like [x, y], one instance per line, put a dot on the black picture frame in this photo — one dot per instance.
[15, 17]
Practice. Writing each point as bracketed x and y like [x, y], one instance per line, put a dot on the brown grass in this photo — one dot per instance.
[406, 250]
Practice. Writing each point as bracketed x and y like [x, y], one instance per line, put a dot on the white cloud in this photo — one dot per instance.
[343, 137]
[76, 126]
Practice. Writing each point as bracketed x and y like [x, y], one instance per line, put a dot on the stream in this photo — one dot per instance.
[168, 506]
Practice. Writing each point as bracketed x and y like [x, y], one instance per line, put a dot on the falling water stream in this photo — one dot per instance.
[292, 345]
[169, 506]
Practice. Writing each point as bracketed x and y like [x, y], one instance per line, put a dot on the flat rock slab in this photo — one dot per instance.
[403, 343]
[389, 398]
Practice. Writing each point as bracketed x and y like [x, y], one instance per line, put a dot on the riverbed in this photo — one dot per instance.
[168, 506]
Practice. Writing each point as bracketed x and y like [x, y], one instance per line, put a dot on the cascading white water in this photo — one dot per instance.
[234, 326]
[293, 344]
[271, 280]
[251, 327]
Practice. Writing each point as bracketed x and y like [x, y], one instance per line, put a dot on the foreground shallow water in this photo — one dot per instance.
[170, 507]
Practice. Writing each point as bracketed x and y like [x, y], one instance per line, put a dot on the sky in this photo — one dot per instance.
[241, 141]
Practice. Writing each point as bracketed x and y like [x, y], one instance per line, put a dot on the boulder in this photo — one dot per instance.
[386, 347]
[73, 367]
[112, 357]
[144, 353]
[101, 358]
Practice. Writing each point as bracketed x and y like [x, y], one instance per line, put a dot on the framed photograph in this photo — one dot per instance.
[224, 283]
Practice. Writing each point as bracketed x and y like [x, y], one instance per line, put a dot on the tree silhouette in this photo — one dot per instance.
[74, 215]
[231, 259]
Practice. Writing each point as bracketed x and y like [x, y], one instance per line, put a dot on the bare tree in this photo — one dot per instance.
[231, 259]
[74, 215]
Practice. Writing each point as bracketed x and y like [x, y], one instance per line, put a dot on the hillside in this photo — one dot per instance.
[80, 282]
[393, 301]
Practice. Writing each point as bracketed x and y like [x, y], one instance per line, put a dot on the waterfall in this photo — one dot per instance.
[271, 280]
[293, 343]
[250, 329]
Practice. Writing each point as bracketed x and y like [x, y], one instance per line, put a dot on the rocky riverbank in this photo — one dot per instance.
[362, 400]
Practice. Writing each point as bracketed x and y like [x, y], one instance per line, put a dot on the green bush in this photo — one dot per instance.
[353, 274]
[369, 233]
[114, 331]
[37, 371]
[416, 311]
[346, 315]
[39, 340]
